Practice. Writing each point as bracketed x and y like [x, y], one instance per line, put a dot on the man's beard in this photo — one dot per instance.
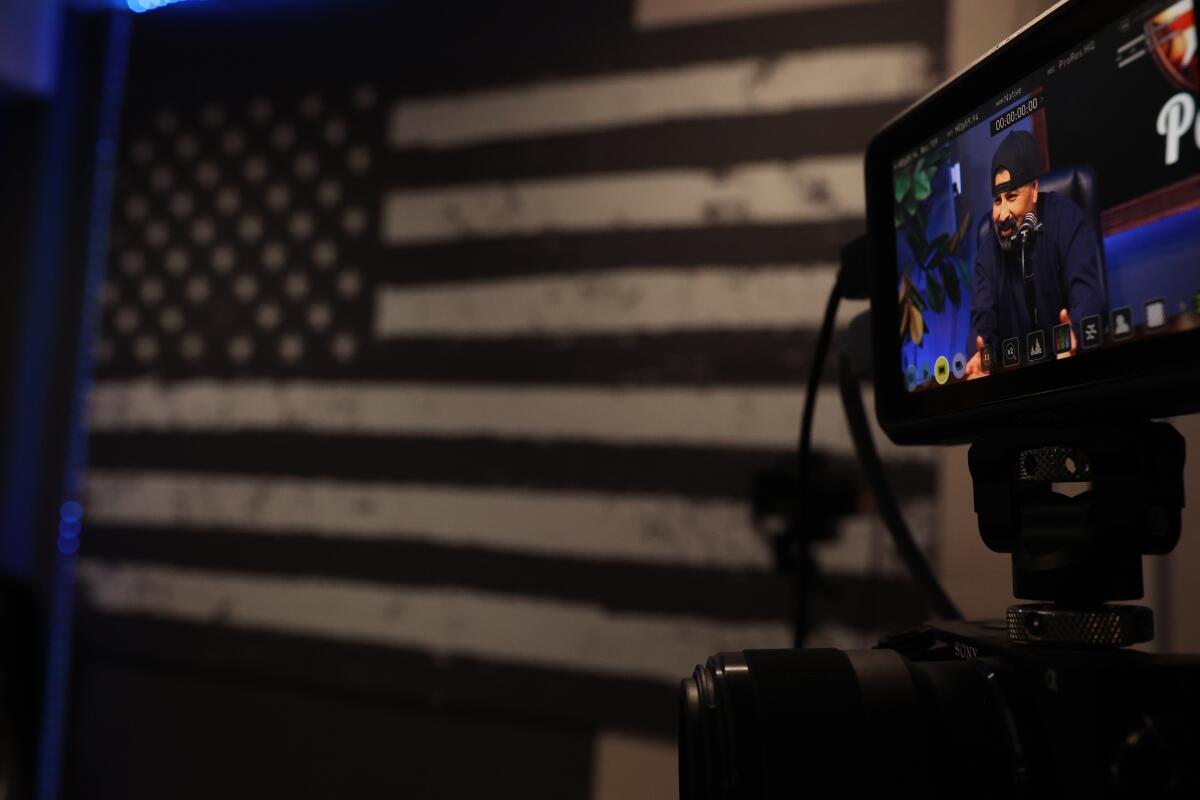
[1006, 242]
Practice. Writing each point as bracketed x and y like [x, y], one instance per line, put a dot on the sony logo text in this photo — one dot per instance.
[965, 651]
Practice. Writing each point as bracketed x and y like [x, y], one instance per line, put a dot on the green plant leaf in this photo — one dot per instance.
[950, 281]
[903, 184]
[916, 327]
[921, 188]
[964, 273]
[910, 204]
[910, 299]
[919, 247]
[912, 295]
[935, 295]
[938, 248]
[921, 220]
[963, 226]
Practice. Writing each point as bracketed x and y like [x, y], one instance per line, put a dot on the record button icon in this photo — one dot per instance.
[941, 370]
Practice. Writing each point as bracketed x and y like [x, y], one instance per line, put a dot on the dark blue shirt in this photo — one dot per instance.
[1065, 259]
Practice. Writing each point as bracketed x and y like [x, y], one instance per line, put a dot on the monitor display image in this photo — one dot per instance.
[1061, 217]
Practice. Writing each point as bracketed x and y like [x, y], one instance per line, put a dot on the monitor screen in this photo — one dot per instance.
[1061, 217]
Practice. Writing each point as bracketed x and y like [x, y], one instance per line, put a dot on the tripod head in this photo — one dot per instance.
[1079, 552]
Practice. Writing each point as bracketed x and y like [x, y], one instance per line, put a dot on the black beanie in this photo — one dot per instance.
[1018, 154]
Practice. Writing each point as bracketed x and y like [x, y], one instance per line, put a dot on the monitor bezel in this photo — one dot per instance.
[1155, 377]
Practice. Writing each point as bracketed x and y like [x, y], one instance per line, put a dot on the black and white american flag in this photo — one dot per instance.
[457, 393]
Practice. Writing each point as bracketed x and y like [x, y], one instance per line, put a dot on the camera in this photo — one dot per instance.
[1047, 702]
[1032, 258]
[943, 711]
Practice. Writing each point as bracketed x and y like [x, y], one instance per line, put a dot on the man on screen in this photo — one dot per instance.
[1032, 275]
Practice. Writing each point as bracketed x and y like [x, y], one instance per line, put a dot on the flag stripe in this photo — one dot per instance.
[462, 623]
[578, 252]
[662, 589]
[804, 79]
[862, 544]
[693, 358]
[713, 143]
[626, 301]
[376, 673]
[655, 528]
[681, 471]
[732, 417]
[811, 190]
[505, 461]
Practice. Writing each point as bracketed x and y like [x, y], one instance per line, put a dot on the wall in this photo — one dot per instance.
[434, 378]
[190, 682]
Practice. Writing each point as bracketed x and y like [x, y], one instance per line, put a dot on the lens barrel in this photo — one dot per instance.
[793, 723]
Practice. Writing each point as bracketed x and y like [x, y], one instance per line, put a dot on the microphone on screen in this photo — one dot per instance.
[1029, 227]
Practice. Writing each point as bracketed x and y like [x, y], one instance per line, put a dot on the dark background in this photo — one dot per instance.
[162, 705]
[1101, 115]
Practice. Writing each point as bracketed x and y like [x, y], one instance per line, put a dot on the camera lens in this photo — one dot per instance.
[790, 723]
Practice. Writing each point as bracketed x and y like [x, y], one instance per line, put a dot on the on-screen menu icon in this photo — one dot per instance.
[1156, 314]
[1122, 323]
[1036, 342]
[1062, 339]
[1091, 331]
[1011, 350]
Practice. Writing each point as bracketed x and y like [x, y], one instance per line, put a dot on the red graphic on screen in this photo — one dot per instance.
[1171, 37]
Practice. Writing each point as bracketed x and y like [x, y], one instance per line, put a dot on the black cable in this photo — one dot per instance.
[804, 451]
[804, 482]
[885, 498]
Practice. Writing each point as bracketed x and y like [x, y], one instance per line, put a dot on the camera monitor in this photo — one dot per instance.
[1035, 230]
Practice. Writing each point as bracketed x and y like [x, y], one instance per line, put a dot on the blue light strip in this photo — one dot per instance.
[62, 599]
[149, 5]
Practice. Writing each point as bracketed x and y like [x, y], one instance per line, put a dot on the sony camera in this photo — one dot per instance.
[1033, 250]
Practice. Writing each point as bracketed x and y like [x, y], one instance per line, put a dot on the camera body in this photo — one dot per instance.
[1050, 701]
[941, 711]
[1033, 239]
